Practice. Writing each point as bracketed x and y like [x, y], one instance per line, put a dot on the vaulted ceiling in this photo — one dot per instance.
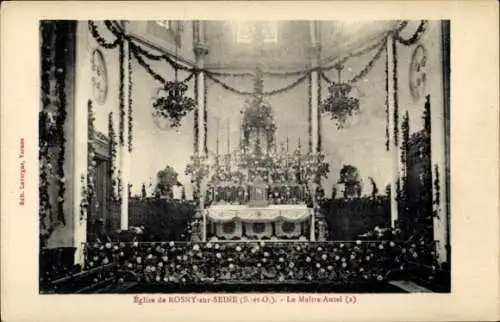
[293, 47]
[292, 50]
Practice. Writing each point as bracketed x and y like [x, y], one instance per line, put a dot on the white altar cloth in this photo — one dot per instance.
[272, 213]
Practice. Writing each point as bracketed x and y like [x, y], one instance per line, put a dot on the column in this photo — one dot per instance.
[313, 225]
[439, 102]
[201, 51]
[314, 88]
[124, 153]
[393, 142]
[315, 117]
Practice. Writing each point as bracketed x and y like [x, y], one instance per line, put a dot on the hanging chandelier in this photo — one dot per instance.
[172, 104]
[340, 104]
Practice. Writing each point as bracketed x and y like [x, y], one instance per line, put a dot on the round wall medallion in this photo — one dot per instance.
[418, 72]
[99, 77]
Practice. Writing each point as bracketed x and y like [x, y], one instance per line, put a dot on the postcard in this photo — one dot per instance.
[246, 161]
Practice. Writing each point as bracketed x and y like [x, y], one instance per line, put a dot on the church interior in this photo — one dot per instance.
[180, 155]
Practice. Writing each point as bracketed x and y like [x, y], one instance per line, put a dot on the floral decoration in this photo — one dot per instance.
[340, 104]
[174, 105]
[130, 102]
[395, 92]
[113, 156]
[121, 97]
[47, 127]
[177, 263]
[87, 180]
[415, 37]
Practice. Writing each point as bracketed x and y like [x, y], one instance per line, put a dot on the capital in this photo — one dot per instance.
[200, 50]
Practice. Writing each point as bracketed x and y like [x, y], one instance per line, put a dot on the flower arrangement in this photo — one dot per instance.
[186, 262]
[113, 157]
[87, 180]
[339, 104]
[174, 105]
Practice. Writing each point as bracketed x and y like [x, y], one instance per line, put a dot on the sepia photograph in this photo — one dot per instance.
[246, 156]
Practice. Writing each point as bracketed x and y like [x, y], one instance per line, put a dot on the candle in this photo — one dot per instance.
[228, 137]
[286, 133]
[217, 141]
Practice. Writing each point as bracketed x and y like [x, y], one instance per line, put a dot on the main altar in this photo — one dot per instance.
[262, 190]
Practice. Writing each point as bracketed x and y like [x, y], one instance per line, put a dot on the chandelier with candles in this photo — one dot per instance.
[340, 104]
[171, 102]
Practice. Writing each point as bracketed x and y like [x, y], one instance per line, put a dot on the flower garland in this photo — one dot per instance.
[320, 137]
[139, 51]
[250, 93]
[113, 153]
[309, 112]
[120, 185]
[405, 129]
[175, 65]
[196, 111]
[88, 190]
[179, 66]
[387, 120]
[175, 105]
[205, 116]
[43, 153]
[437, 192]
[415, 37]
[129, 93]
[146, 66]
[358, 53]
[60, 75]
[121, 95]
[100, 40]
[395, 92]
[427, 115]
[84, 202]
[369, 66]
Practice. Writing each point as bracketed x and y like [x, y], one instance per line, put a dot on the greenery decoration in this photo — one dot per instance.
[87, 180]
[339, 104]
[349, 176]
[173, 105]
[421, 29]
[113, 155]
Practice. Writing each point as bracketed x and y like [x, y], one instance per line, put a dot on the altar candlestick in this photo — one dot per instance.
[241, 131]
[286, 138]
[228, 137]
[217, 142]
